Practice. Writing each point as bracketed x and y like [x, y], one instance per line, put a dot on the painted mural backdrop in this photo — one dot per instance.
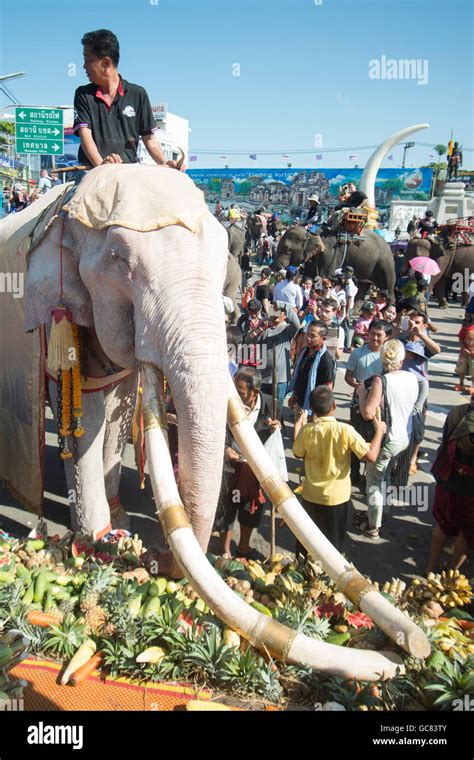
[290, 188]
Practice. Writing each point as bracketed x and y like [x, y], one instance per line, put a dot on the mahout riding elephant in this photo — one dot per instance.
[141, 270]
[236, 241]
[456, 264]
[371, 257]
[256, 225]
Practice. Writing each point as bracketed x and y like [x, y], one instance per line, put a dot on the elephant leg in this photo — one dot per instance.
[85, 481]
[119, 405]
[439, 292]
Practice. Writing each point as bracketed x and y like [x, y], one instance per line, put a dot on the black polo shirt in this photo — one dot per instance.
[115, 129]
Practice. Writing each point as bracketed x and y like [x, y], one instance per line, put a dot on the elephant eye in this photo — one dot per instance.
[112, 259]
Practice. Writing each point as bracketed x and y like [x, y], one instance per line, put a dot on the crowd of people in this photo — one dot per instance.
[286, 347]
[19, 196]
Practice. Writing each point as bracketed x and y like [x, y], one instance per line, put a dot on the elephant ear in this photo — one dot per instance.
[53, 278]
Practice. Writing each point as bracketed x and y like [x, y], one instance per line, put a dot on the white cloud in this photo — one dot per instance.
[337, 179]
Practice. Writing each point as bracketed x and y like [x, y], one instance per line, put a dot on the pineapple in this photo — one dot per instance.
[94, 614]
[94, 587]
[95, 618]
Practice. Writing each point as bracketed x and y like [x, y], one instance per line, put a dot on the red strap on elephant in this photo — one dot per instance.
[61, 259]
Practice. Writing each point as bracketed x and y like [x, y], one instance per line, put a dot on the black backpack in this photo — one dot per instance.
[366, 427]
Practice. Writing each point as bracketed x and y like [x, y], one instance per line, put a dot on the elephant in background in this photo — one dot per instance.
[456, 263]
[232, 283]
[236, 241]
[295, 247]
[256, 226]
[371, 258]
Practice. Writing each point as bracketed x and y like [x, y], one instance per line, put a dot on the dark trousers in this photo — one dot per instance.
[331, 521]
[346, 326]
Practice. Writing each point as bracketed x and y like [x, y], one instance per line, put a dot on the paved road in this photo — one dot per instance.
[403, 548]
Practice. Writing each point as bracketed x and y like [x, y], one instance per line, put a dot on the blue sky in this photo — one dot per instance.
[304, 69]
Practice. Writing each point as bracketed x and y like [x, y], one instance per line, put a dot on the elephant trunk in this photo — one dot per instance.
[200, 403]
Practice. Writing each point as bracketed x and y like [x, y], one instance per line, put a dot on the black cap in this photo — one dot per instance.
[266, 272]
[348, 270]
[254, 305]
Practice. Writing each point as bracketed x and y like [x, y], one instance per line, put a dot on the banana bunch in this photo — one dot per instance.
[395, 587]
[313, 569]
[286, 590]
[418, 593]
[450, 588]
[255, 569]
[278, 563]
[450, 639]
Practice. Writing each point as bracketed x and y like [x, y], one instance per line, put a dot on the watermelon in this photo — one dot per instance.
[234, 567]
[294, 575]
[241, 575]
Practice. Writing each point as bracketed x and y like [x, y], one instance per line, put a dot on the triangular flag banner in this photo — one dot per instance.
[193, 158]
[253, 155]
[319, 157]
[390, 157]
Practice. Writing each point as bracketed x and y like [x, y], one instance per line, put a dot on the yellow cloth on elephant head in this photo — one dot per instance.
[137, 196]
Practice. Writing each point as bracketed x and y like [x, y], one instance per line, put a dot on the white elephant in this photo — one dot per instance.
[152, 295]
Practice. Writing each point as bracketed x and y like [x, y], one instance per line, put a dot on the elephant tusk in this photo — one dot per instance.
[367, 182]
[263, 632]
[181, 160]
[392, 621]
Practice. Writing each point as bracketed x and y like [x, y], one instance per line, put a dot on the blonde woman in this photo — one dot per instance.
[395, 393]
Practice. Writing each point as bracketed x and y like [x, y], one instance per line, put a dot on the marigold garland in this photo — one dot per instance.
[76, 387]
[65, 428]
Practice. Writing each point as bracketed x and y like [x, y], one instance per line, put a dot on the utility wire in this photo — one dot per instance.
[297, 151]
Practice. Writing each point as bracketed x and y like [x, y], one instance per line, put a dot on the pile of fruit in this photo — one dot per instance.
[95, 606]
[449, 589]
[13, 649]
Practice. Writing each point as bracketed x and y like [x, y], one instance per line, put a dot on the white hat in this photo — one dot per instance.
[314, 198]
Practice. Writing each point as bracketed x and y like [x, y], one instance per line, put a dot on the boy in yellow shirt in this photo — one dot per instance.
[326, 445]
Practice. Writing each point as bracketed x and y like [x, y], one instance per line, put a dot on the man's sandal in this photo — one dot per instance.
[365, 528]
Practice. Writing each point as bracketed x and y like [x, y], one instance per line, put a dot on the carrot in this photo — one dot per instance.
[82, 655]
[84, 671]
[42, 619]
[466, 625]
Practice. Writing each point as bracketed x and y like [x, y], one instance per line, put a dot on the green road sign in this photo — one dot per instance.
[39, 130]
